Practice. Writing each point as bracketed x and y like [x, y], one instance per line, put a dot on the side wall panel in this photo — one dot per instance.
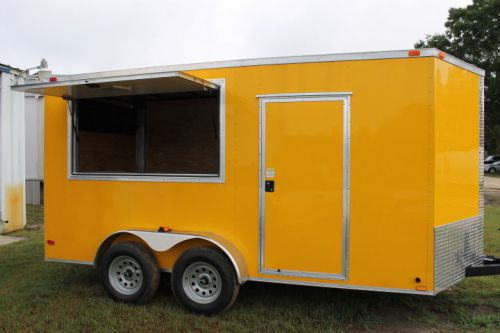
[391, 173]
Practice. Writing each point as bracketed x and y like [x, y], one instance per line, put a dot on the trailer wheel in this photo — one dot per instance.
[204, 281]
[492, 170]
[129, 273]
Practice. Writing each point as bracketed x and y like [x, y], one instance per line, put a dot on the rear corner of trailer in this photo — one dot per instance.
[458, 154]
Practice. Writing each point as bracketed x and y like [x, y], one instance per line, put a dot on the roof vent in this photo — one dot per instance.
[43, 71]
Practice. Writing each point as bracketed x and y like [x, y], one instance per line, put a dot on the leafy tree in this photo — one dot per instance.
[473, 34]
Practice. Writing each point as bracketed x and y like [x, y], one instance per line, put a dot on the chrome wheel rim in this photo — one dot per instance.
[125, 275]
[201, 282]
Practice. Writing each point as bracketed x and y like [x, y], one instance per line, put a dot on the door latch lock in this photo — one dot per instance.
[269, 186]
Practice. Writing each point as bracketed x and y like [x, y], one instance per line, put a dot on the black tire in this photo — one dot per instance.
[144, 279]
[217, 264]
[492, 170]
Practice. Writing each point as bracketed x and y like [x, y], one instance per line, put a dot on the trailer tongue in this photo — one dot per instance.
[490, 266]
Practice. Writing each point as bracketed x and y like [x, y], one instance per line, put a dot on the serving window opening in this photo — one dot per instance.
[170, 134]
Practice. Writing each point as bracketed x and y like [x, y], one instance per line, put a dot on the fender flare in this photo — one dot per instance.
[164, 241]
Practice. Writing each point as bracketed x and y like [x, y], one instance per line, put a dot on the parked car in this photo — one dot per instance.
[492, 159]
[492, 167]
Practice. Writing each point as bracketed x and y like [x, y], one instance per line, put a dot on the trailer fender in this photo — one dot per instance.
[164, 241]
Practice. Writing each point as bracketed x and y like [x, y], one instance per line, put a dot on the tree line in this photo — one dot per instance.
[473, 34]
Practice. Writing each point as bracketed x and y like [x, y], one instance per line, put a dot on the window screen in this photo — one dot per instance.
[106, 137]
[152, 134]
[184, 139]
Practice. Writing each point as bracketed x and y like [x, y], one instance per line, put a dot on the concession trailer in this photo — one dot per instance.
[357, 171]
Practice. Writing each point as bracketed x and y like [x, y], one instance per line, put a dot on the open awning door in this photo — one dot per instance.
[139, 84]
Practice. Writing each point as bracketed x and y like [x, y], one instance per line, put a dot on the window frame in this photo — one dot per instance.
[153, 177]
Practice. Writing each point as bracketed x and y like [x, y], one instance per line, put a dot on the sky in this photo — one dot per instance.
[96, 35]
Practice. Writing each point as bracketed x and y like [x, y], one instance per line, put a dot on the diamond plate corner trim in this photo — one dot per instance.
[457, 245]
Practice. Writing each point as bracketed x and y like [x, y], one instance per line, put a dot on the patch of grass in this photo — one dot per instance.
[492, 230]
[36, 296]
[497, 174]
[34, 214]
[487, 320]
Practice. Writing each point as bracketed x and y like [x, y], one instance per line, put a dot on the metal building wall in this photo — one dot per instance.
[34, 108]
[12, 155]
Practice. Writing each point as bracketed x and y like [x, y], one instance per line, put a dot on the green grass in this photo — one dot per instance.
[36, 296]
[487, 174]
[492, 229]
[34, 214]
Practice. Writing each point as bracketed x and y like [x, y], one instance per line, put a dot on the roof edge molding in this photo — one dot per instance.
[135, 73]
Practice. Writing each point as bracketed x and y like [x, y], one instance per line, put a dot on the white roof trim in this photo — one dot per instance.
[275, 61]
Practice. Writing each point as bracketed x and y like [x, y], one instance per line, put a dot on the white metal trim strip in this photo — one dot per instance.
[399, 54]
[460, 63]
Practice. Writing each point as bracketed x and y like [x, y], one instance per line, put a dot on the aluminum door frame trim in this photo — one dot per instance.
[345, 98]
[165, 178]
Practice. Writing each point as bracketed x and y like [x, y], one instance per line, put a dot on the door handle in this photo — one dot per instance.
[269, 185]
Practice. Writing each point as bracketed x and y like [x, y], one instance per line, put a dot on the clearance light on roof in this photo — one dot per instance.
[53, 79]
[441, 54]
[414, 53]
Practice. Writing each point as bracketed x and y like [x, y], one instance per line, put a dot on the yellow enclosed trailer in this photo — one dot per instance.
[357, 171]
